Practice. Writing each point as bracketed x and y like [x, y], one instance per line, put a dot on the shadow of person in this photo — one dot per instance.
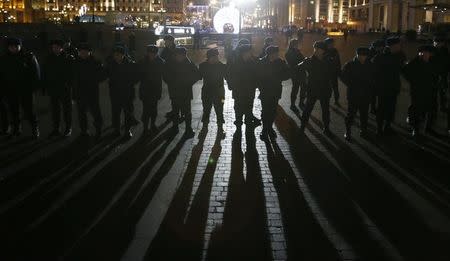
[304, 236]
[171, 241]
[348, 193]
[243, 234]
[136, 165]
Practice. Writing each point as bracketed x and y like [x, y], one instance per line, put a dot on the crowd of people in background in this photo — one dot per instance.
[373, 79]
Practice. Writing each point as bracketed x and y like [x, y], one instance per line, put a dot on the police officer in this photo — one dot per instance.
[358, 76]
[121, 72]
[56, 77]
[388, 66]
[243, 79]
[272, 71]
[423, 79]
[167, 54]
[213, 93]
[181, 74]
[293, 58]
[150, 76]
[21, 73]
[320, 73]
[332, 55]
[88, 73]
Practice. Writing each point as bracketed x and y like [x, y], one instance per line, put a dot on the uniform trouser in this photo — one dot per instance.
[184, 106]
[92, 106]
[448, 118]
[324, 104]
[434, 110]
[64, 102]
[335, 87]
[269, 110]
[149, 110]
[419, 116]
[353, 107]
[4, 119]
[296, 85]
[119, 104]
[208, 103]
[243, 106]
[386, 110]
[443, 88]
[26, 101]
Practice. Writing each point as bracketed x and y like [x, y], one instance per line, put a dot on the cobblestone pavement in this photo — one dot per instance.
[227, 198]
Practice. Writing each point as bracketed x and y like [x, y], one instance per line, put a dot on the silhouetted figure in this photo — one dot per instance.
[423, 79]
[358, 76]
[213, 93]
[168, 54]
[388, 66]
[88, 73]
[345, 34]
[121, 72]
[21, 76]
[293, 58]
[150, 75]
[181, 74]
[271, 71]
[332, 55]
[56, 79]
[243, 79]
[320, 76]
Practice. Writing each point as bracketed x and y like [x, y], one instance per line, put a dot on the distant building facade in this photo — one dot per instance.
[16, 11]
[396, 15]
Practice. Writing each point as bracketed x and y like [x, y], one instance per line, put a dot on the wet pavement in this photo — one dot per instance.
[165, 197]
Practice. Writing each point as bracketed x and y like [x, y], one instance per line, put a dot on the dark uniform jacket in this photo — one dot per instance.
[319, 75]
[87, 75]
[332, 55]
[21, 73]
[441, 59]
[181, 77]
[150, 76]
[213, 80]
[271, 74]
[359, 79]
[293, 58]
[57, 74]
[243, 79]
[122, 78]
[422, 77]
[388, 68]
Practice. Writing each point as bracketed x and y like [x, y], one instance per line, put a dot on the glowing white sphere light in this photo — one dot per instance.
[227, 17]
